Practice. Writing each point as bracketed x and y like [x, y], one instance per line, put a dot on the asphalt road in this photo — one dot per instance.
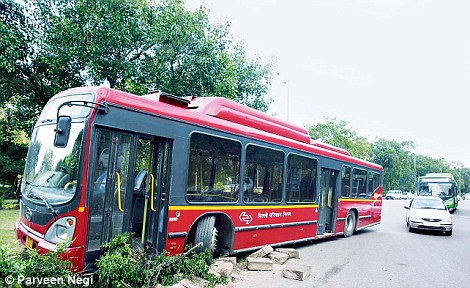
[386, 255]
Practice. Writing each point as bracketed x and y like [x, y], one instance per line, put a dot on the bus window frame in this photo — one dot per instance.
[357, 192]
[284, 163]
[188, 165]
[317, 177]
[350, 180]
[378, 183]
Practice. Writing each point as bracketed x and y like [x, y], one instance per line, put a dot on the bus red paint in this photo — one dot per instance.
[176, 171]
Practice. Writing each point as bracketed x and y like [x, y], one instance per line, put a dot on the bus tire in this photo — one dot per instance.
[207, 234]
[349, 224]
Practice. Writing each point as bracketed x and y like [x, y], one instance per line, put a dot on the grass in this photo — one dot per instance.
[8, 218]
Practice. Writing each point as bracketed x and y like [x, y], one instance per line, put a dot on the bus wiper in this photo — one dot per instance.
[31, 183]
[48, 205]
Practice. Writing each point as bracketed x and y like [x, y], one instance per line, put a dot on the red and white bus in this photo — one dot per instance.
[182, 170]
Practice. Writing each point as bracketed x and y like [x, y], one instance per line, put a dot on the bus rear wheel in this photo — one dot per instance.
[349, 224]
[207, 234]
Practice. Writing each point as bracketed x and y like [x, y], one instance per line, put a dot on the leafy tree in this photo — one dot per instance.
[52, 45]
[337, 133]
[397, 161]
[139, 47]
[426, 164]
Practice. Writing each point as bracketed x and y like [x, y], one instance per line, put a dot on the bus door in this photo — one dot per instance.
[150, 199]
[328, 201]
[107, 200]
[129, 189]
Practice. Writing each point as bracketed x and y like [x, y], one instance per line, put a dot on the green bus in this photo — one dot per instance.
[442, 185]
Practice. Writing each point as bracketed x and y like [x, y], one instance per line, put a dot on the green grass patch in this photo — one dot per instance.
[8, 218]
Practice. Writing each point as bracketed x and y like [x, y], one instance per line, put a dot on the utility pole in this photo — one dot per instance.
[288, 96]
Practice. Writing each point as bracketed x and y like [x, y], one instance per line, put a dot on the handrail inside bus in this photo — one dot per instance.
[119, 191]
[144, 224]
[151, 192]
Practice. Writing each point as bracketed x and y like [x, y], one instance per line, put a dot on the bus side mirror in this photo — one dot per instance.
[62, 131]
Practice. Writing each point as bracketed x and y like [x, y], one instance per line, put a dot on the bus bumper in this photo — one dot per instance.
[32, 241]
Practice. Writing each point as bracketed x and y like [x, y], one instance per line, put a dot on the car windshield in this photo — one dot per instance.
[51, 172]
[428, 204]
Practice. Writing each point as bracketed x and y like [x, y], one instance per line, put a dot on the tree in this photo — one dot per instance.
[52, 45]
[337, 133]
[397, 161]
[139, 47]
[426, 164]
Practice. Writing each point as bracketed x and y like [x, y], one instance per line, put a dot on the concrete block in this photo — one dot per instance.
[187, 284]
[262, 252]
[259, 264]
[229, 285]
[296, 272]
[278, 257]
[221, 268]
[293, 253]
[232, 260]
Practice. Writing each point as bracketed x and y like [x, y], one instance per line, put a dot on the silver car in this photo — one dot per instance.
[428, 213]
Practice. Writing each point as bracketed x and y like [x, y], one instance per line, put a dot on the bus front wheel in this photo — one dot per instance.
[349, 224]
[207, 234]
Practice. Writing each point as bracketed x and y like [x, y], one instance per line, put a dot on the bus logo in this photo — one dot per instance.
[245, 218]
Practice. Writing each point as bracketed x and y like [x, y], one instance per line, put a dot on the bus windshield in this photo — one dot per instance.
[51, 172]
[435, 189]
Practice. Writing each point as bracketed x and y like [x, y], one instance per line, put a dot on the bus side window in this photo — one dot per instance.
[374, 183]
[214, 169]
[359, 183]
[346, 181]
[301, 179]
[265, 166]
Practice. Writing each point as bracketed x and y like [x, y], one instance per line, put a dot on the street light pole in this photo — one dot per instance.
[288, 96]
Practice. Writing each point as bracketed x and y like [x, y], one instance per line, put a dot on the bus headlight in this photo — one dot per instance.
[61, 230]
[449, 201]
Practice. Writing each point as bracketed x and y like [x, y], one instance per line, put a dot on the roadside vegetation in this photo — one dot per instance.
[7, 224]
[401, 165]
[121, 265]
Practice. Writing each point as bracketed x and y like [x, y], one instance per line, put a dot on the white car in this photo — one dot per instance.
[393, 195]
[428, 213]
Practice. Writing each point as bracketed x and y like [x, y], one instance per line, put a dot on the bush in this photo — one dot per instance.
[126, 265]
[30, 264]
[122, 265]
[9, 263]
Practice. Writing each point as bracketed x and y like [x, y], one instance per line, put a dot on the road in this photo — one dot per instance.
[386, 255]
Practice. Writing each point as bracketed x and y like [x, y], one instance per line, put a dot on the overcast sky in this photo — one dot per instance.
[393, 69]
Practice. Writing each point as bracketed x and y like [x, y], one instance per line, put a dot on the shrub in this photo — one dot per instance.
[31, 264]
[126, 265]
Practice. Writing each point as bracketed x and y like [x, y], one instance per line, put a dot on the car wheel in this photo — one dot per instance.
[410, 229]
[349, 224]
[448, 233]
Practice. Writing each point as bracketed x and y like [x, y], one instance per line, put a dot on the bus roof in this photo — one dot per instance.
[225, 115]
[437, 175]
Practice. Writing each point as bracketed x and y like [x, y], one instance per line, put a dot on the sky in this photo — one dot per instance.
[393, 69]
